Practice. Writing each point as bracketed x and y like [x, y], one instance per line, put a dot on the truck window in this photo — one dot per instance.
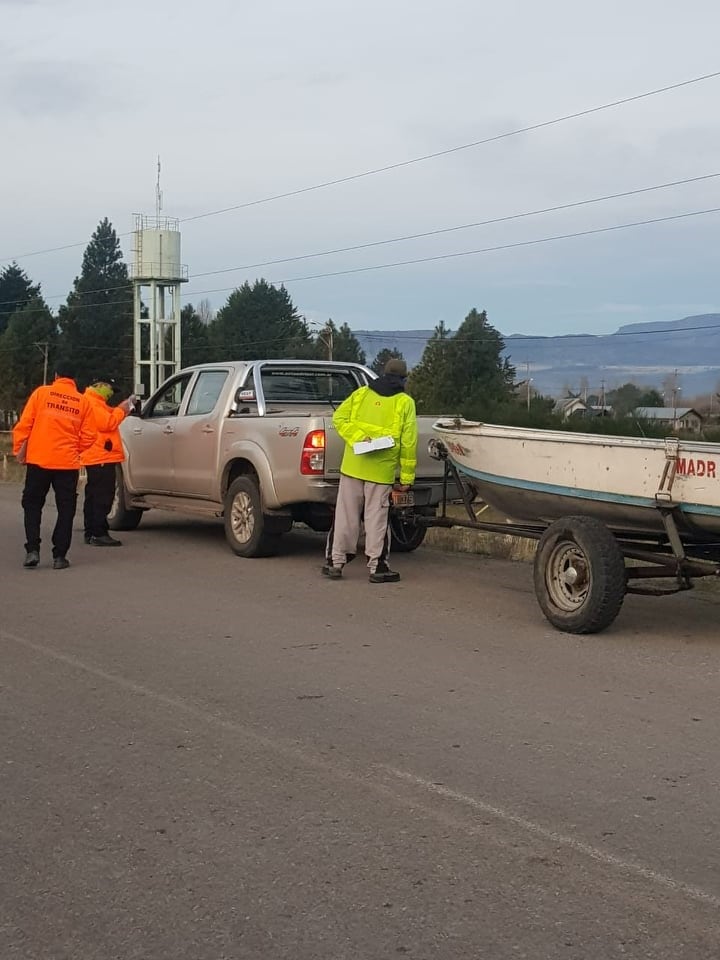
[167, 403]
[295, 385]
[206, 392]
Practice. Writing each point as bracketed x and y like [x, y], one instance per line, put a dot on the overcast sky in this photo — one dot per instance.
[244, 100]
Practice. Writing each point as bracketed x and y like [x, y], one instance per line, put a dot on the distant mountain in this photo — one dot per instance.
[645, 353]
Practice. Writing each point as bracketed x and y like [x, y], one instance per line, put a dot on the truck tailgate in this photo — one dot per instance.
[427, 468]
[334, 449]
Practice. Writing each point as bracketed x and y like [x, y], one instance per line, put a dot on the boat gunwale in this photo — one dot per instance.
[536, 434]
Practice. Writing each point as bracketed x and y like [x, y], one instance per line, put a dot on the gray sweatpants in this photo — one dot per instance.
[370, 502]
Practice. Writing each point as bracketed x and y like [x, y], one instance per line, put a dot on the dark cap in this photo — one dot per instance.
[108, 380]
[395, 367]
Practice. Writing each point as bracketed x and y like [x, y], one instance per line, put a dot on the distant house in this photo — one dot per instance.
[571, 406]
[575, 407]
[677, 418]
[597, 410]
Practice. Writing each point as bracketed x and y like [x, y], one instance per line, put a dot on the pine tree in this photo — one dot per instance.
[257, 322]
[482, 378]
[464, 373]
[96, 322]
[16, 291]
[382, 357]
[30, 332]
[194, 345]
[431, 381]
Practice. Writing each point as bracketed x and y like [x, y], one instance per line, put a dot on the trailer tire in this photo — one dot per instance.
[122, 517]
[579, 574]
[405, 534]
[248, 531]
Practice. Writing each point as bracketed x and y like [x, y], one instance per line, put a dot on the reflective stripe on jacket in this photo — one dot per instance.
[368, 414]
[108, 446]
[58, 424]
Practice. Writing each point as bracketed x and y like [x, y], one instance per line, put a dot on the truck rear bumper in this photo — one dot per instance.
[428, 493]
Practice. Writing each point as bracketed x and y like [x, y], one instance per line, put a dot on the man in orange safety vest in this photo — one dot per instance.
[56, 425]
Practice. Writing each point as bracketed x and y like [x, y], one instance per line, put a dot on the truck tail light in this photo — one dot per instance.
[312, 461]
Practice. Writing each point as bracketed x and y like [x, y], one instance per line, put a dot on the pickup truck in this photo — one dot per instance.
[254, 443]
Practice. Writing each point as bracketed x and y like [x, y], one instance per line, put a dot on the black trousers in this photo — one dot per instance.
[38, 481]
[99, 495]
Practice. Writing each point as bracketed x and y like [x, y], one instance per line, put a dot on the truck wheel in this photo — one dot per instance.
[579, 574]
[405, 534]
[120, 516]
[246, 527]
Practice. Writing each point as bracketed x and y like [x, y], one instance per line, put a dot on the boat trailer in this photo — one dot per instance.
[583, 568]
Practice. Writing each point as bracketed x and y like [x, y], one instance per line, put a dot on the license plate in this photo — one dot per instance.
[403, 498]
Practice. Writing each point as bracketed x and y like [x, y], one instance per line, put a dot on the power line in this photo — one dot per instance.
[450, 150]
[463, 226]
[477, 252]
[438, 257]
[579, 340]
[428, 233]
[406, 163]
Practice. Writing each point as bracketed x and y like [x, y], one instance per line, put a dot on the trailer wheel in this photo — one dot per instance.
[122, 517]
[247, 529]
[580, 578]
[405, 534]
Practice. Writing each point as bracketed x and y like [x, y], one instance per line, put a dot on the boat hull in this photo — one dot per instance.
[542, 475]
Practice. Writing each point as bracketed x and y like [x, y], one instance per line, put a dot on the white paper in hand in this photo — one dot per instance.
[379, 443]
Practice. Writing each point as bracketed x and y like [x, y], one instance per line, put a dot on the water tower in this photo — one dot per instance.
[157, 275]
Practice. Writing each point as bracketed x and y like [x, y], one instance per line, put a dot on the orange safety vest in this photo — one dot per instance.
[57, 423]
[108, 446]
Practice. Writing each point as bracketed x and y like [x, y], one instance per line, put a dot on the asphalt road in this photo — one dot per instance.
[207, 758]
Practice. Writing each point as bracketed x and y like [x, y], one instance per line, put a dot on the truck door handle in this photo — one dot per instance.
[208, 429]
[168, 429]
[137, 430]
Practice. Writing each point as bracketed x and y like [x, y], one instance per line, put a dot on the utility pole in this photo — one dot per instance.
[325, 336]
[329, 340]
[43, 347]
[675, 392]
[602, 397]
[528, 381]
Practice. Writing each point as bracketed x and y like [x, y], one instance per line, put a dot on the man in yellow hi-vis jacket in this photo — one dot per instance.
[381, 412]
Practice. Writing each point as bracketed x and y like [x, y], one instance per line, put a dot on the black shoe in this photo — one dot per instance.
[334, 573]
[88, 538]
[384, 575]
[105, 541]
[61, 563]
[325, 569]
[32, 558]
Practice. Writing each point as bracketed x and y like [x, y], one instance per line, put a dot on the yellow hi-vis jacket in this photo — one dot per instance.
[368, 414]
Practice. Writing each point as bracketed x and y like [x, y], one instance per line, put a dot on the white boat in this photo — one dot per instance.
[542, 475]
[609, 513]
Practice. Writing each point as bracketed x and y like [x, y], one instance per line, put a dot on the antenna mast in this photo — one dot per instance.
[158, 192]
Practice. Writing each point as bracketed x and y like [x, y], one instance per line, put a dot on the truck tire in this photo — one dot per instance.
[405, 534]
[579, 573]
[122, 517]
[247, 529]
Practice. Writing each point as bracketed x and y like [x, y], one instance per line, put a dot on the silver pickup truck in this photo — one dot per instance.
[252, 442]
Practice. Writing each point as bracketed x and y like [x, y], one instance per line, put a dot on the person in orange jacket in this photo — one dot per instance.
[100, 460]
[56, 425]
